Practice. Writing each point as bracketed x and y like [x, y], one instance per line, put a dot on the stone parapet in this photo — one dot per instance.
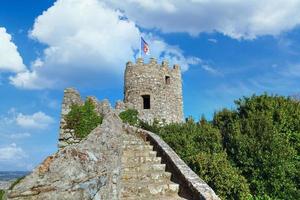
[191, 186]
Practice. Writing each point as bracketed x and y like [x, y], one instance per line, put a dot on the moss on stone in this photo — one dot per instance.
[2, 193]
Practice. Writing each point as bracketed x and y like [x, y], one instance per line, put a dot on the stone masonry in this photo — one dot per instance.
[115, 161]
[89, 169]
[72, 97]
[154, 90]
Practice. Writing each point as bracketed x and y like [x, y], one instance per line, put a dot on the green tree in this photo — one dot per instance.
[261, 138]
[200, 146]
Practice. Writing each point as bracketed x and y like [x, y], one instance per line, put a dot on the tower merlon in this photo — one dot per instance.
[153, 61]
[165, 64]
[129, 63]
[176, 67]
[140, 61]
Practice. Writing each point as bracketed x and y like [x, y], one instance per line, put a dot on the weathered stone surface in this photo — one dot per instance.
[71, 97]
[192, 187]
[120, 106]
[105, 107]
[109, 165]
[162, 83]
[87, 170]
[142, 174]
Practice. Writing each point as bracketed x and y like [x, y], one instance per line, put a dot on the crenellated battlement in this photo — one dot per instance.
[153, 63]
[156, 84]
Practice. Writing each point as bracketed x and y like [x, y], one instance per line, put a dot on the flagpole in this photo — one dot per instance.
[141, 48]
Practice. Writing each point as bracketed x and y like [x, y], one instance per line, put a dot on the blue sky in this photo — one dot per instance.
[226, 48]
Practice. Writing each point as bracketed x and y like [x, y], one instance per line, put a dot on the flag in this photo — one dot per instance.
[145, 47]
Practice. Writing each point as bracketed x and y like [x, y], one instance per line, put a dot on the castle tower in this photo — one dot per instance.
[154, 90]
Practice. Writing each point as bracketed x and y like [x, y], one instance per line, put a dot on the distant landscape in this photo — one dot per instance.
[6, 177]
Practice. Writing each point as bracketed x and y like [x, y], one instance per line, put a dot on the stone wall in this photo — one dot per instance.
[66, 136]
[90, 168]
[191, 186]
[87, 170]
[72, 97]
[150, 79]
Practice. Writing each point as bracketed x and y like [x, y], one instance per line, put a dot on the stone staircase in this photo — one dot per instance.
[143, 176]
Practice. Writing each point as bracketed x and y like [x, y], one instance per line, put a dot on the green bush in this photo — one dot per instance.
[251, 152]
[130, 116]
[261, 137]
[2, 193]
[83, 119]
[218, 173]
[200, 146]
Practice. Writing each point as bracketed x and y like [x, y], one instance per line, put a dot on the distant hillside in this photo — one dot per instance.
[9, 175]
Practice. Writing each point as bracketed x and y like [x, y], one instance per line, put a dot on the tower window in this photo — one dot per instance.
[146, 101]
[167, 80]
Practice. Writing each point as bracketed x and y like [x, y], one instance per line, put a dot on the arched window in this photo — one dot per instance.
[167, 80]
[146, 101]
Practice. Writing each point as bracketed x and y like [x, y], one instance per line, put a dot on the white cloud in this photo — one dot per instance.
[10, 59]
[235, 18]
[14, 120]
[88, 44]
[19, 135]
[161, 50]
[210, 69]
[212, 40]
[11, 152]
[37, 120]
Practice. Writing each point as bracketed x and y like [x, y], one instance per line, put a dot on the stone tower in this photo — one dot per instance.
[154, 90]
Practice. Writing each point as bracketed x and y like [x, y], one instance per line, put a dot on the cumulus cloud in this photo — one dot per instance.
[38, 120]
[10, 59]
[162, 50]
[88, 44]
[16, 122]
[235, 18]
[11, 152]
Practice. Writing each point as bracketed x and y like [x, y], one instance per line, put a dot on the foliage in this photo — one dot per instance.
[130, 116]
[251, 152]
[83, 119]
[220, 175]
[200, 146]
[16, 182]
[2, 193]
[261, 138]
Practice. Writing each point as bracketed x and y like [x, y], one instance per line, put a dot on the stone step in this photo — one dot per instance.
[145, 168]
[144, 190]
[136, 153]
[140, 147]
[141, 159]
[154, 197]
[149, 166]
[135, 142]
[150, 175]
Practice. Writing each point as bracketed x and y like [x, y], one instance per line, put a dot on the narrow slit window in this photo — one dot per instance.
[146, 101]
[168, 80]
